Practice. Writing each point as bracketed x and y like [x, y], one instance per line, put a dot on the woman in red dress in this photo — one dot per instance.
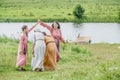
[23, 48]
[56, 33]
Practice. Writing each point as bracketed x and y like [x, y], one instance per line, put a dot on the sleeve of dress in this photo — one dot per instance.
[46, 25]
[22, 42]
[31, 29]
[61, 38]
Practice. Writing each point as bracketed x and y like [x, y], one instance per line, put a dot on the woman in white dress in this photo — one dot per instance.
[39, 48]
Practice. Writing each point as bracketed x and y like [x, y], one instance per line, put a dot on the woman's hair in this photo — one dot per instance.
[24, 27]
[44, 33]
[57, 24]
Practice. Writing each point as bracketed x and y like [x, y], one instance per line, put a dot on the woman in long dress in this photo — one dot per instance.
[23, 48]
[39, 48]
[56, 33]
[50, 54]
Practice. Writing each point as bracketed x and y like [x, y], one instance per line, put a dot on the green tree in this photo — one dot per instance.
[78, 11]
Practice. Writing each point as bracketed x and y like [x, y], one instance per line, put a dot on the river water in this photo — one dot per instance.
[99, 32]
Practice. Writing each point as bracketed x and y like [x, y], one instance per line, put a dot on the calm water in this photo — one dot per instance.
[99, 32]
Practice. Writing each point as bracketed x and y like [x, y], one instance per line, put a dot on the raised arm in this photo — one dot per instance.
[61, 38]
[45, 25]
[32, 27]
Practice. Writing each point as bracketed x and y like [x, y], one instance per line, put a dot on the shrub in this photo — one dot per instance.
[78, 11]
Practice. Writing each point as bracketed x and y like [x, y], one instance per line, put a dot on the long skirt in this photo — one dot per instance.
[21, 58]
[50, 57]
[58, 50]
[39, 51]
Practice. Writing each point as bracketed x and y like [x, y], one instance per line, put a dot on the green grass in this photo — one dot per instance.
[60, 10]
[78, 62]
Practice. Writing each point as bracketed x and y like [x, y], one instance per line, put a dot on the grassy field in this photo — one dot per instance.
[78, 62]
[60, 10]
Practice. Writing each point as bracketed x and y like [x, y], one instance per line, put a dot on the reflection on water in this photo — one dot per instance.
[99, 32]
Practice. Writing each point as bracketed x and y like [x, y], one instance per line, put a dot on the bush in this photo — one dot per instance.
[78, 11]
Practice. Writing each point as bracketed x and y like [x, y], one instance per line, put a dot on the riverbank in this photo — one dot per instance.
[90, 61]
[58, 10]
